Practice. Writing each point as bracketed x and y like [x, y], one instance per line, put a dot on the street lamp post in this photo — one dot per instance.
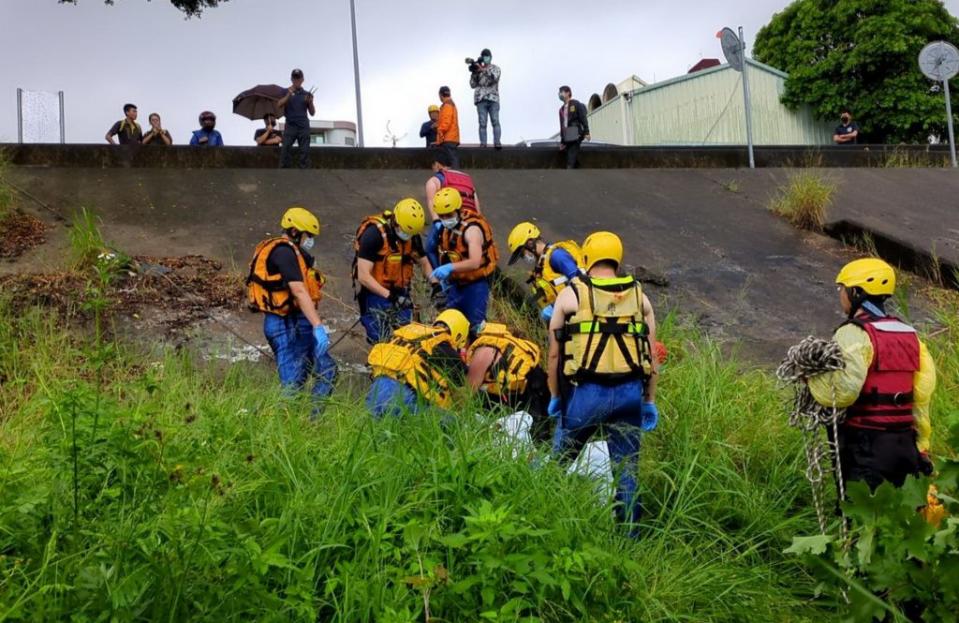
[356, 77]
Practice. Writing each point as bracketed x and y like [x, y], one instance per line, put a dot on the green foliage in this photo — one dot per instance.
[861, 55]
[192, 8]
[6, 192]
[804, 200]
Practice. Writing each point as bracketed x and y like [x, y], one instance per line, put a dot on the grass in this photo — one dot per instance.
[804, 200]
[6, 192]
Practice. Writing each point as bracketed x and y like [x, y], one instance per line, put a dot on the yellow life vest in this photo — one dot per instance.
[546, 283]
[517, 357]
[406, 358]
[265, 291]
[607, 339]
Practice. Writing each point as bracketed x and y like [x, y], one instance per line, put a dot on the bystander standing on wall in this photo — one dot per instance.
[428, 129]
[268, 136]
[448, 127]
[847, 132]
[485, 82]
[157, 135]
[573, 126]
[127, 130]
[297, 107]
[207, 135]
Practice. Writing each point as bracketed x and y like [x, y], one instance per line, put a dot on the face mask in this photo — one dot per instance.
[307, 243]
[561, 98]
[487, 59]
[450, 223]
[529, 258]
[402, 235]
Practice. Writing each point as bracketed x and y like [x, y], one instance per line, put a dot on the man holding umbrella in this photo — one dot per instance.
[297, 107]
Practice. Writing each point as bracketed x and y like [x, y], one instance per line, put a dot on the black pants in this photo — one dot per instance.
[876, 456]
[301, 136]
[453, 150]
[572, 154]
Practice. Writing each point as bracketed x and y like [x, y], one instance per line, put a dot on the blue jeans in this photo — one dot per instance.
[491, 109]
[380, 317]
[615, 408]
[433, 244]
[390, 397]
[471, 299]
[293, 344]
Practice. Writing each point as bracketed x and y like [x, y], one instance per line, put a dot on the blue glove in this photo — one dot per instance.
[546, 314]
[555, 408]
[322, 340]
[650, 416]
[442, 273]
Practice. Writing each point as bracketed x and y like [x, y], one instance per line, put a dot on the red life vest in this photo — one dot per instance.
[463, 183]
[886, 399]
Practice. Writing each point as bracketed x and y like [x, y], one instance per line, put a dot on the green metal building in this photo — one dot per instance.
[703, 108]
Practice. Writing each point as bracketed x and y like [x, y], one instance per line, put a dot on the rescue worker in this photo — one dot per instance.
[467, 256]
[444, 176]
[886, 386]
[418, 366]
[284, 285]
[553, 264]
[505, 368]
[386, 247]
[601, 370]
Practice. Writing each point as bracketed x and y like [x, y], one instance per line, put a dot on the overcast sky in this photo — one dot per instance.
[148, 54]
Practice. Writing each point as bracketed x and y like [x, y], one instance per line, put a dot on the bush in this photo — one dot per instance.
[804, 200]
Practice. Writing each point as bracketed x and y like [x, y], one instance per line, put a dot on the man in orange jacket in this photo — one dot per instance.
[448, 127]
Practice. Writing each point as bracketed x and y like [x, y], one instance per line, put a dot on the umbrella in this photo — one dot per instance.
[258, 101]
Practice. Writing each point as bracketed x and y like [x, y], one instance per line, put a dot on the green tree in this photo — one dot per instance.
[192, 8]
[861, 55]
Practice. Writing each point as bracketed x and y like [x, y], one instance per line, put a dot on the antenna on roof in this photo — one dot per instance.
[939, 61]
[734, 48]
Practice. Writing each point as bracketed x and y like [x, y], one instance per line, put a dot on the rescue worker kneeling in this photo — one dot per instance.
[283, 284]
[418, 366]
[601, 372]
[386, 247]
[553, 264]
[505, 368]
[467, 255]
[886, 386]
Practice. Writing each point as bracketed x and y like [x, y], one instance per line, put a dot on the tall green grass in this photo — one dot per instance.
[804, 200]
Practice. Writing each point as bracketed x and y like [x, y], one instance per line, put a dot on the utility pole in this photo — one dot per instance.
[749, 108]
[356, 78]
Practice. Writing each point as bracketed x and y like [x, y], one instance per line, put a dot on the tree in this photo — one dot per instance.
[192, 8]
[861, 55]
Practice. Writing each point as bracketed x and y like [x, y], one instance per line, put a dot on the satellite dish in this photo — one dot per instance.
[939, 61]
[732, 48]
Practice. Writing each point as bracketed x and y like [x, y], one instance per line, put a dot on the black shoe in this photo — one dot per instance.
[498, 147]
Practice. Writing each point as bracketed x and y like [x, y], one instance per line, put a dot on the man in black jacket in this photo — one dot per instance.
[573, 126]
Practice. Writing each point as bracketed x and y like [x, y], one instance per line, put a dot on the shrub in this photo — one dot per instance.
[804, 200]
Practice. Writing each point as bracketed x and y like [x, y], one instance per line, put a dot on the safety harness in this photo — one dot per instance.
[393, 267]
[266, 292]
[516, 357]
[407, 359]
[545, 282]
[453, 248]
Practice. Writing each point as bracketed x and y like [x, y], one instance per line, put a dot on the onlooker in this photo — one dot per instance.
[428, 129]
[485, 83]
[157, 135]
[268, 136]
[448, 127]
[847, 132]
[127, 130]
[207, 135]
[573, 126]
[297, 107]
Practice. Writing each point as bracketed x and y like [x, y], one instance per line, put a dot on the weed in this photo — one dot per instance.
[912, 159]
[730, 186]
[804, 200]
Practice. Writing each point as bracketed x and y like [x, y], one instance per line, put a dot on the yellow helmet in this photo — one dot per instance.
[301, 219]
[871, 274]
[409, 216]
[458, 325]
[447, 201]
[433, 108]
[602, 245]
[521, 234]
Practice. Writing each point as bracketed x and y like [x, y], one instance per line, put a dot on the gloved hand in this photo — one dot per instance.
[650, 416]
[443, 272]
[555, 408]
[546, 314]
[926, 466]
[399, 299]
[322, 340]
[438, 297]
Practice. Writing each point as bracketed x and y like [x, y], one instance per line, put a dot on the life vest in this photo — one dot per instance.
[885, 402]
[463, 184]
[265, 291]
[394, 265]
[545, 282]
[606, 340]
[406, 358]
[517, 357]
[453, 248]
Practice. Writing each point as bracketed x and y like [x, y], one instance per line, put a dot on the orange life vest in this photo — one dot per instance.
[453, 248]
[393, 267]
[265, 291]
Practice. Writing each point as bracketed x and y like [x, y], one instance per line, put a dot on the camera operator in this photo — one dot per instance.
[484, 79]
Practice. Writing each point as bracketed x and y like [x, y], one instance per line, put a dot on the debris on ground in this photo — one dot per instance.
[19, 233]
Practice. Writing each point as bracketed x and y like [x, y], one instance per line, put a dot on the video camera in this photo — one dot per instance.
[472, 65]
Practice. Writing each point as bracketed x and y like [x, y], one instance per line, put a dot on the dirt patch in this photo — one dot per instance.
[19, 233]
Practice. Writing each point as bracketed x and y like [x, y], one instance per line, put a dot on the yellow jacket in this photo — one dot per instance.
[857, 352]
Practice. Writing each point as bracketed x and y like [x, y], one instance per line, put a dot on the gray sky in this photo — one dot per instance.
[148, 54]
